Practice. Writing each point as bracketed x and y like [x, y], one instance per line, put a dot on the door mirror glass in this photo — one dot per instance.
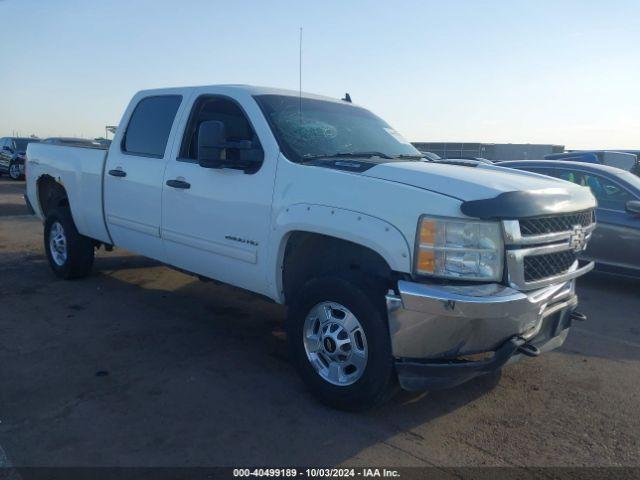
[216, 151]
[211, 144]
[633, 206]
[219, 135]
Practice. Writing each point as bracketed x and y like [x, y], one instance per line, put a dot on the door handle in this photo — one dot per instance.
[178, 184]
[117, 173]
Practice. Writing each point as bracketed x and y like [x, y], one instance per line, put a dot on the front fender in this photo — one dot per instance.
[352, 226]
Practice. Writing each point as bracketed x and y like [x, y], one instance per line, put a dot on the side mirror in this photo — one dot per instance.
[211, 143]
[239, 155]
[633, 206]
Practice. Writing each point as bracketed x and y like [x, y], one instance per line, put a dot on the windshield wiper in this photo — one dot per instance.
[362, 155]
[411, 157]
[347, 155]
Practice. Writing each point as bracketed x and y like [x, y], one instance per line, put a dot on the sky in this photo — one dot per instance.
[509, 71]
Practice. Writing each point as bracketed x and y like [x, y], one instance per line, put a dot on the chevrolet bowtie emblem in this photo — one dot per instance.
[578, 239]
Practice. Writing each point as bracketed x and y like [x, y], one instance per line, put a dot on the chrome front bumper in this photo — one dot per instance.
[430, 322]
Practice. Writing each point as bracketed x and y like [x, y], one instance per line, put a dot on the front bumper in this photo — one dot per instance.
[432, 326]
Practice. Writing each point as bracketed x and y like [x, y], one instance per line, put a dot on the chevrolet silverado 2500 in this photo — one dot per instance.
[395, 270]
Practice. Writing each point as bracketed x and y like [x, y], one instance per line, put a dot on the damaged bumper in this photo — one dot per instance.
[433, 327]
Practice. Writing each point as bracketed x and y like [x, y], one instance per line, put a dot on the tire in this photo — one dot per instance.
[377, 381]
[14, 171]
[73, 257]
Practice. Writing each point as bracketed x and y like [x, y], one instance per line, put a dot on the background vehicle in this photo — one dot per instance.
[615, 245]
[12, 155]
[623, 160]
[73, 142]
[393, 268]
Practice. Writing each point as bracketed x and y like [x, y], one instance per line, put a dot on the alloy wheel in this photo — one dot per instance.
[335, 343]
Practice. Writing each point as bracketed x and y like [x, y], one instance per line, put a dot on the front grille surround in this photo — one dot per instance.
[543, 250]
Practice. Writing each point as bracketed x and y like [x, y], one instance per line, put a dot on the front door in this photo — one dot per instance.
[215, 221]
[615, 241]
[134, 174]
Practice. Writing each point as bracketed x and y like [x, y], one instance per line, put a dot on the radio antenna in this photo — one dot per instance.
[300, 77]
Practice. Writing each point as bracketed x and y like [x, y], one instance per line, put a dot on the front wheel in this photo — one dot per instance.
[339, 339]
[14, 171]
[70, 254]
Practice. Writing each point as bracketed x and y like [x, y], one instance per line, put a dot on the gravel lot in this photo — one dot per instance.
[142, 365]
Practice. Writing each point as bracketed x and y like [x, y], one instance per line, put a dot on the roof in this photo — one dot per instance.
[251, 90]
[593, 167]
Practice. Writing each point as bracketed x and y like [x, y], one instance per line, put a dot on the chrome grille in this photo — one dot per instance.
[544, 250]
[556, 223]
[537, 267]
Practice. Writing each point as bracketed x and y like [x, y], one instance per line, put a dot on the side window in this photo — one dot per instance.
[149, 126]
[542, 171]
[608, 194]
[570, 176]
[238, 131]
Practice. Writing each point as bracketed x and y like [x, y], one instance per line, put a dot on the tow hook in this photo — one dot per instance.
[529, 350]
[578, 317]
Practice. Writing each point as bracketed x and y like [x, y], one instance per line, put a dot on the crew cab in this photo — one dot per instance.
[396, 271]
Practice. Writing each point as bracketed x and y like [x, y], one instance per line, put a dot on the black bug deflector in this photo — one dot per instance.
[533, 203]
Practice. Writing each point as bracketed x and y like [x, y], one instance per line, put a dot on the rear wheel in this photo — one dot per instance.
[70, 254]
[339, 339]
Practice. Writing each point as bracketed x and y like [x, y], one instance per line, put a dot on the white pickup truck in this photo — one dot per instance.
[396, 270]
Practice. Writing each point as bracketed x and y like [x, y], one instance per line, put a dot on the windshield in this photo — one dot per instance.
[21, 143]
[309, 128]
[630, 178]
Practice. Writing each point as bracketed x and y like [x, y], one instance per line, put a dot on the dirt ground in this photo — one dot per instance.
[142, 365]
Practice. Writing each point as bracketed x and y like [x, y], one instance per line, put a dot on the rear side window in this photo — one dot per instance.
[150, 124]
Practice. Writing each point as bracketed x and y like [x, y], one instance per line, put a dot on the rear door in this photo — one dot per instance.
[134, 172]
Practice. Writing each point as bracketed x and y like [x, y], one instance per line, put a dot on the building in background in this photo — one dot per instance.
[490, 151]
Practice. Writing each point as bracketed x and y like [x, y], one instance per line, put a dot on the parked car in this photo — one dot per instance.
[615, 246]
[624, 160]
[12, 154]
[394, 269]
[73, 142]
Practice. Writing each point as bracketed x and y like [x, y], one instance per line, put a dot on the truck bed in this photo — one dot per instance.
[80, 170]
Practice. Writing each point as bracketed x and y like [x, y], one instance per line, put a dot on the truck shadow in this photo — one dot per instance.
[138, 372]
[140, 366]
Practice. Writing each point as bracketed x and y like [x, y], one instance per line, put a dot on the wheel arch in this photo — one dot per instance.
[314, 240]
[51, 195]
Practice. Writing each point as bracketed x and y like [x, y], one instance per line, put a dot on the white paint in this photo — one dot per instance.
[234, 227]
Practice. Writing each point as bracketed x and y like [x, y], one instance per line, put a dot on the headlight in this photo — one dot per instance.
[459, 249]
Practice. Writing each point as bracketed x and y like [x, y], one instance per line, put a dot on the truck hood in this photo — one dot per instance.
[489, 191]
